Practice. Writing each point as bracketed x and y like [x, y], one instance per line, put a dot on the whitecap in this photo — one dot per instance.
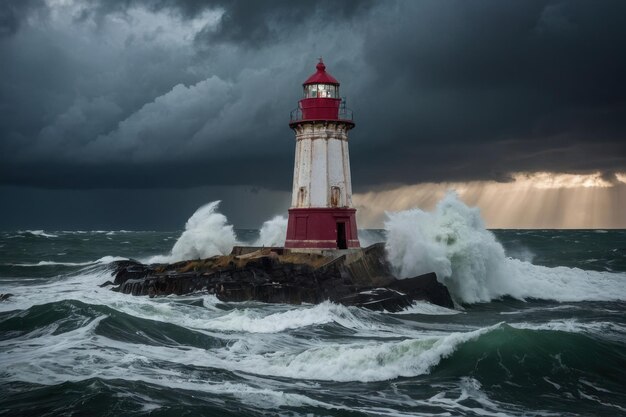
[254, 321]
[453, 242]
[423, 307]
[273, 232]
[364, 361]
[573, 326]
[207, 233]
[103, 260]
[39, 233]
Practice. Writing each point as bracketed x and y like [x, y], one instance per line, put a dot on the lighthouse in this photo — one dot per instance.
[321, 216]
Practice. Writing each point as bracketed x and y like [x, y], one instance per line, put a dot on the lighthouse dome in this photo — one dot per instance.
[321, 84]
[321, 76]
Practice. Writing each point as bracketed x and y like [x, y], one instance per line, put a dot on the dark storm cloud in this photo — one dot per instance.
[255, 23]
[12, 12]
[243, 21]
[164, 93]
[500, 86]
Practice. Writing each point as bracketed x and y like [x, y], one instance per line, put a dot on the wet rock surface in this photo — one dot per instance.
[274, 275]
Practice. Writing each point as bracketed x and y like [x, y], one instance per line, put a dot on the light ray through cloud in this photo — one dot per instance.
[532, 200]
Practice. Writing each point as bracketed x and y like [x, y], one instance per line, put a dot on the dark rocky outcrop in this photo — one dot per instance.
[275, 275]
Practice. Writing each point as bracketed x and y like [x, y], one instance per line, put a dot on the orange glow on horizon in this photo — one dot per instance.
[552, 180]
[531, 201]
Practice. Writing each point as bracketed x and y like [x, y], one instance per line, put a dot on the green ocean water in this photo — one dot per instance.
[69, 347]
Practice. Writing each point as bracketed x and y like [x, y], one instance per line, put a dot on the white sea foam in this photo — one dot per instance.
[521, 253]
[273, 232]
[82, 354]
[574, 326]
[103, 260]
[369, 237]
[254, 321]
[115, 232]
[363, 361]
[529, 310]
[453, 242]
[207, 233]
[423, 307]
[455, 401]
[39, 233]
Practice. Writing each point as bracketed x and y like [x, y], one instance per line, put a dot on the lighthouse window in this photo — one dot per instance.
[320, 90]
[335, 196]
[302, 196]
[310, 91]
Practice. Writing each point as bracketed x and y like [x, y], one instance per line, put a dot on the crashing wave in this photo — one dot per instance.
[453, 242]
[207, 233]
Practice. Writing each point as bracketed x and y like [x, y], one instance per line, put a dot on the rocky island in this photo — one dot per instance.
[354, 277]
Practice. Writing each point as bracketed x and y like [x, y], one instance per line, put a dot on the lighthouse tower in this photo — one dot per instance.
[321, 214]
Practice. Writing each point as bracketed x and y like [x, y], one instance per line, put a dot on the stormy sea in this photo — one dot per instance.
[539, 328]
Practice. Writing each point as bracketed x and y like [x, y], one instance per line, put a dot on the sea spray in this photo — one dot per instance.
[207, 233]
[273, 232]
[453, 242]
[368, 237]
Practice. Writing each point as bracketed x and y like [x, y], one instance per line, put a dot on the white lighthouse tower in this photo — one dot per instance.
[321, 214]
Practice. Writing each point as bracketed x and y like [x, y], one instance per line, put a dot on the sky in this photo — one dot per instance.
[130, 114]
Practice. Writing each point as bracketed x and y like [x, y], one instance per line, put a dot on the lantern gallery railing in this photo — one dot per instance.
[344, 113]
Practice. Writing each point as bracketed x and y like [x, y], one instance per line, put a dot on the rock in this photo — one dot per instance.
[129, 269]
[358, 277]
[379, 299]
[424, 287]
[4, 297]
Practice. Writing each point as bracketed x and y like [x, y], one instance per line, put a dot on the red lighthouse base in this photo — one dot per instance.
[322, 228]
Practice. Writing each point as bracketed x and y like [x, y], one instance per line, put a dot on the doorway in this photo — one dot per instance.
[342, 242]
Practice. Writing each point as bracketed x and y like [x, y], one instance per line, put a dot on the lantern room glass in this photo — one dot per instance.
[321, 91]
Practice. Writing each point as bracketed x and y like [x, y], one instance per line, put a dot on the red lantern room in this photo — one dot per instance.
[321, 99]
[321, 216]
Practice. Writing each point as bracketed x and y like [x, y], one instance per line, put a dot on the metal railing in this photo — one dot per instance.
[295, 115]
[344, 113]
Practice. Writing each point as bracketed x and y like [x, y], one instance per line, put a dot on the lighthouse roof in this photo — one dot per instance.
[321, 76]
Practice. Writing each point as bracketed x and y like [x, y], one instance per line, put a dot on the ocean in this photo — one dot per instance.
[539, 329]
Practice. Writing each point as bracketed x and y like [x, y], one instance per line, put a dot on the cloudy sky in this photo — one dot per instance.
[132, 113]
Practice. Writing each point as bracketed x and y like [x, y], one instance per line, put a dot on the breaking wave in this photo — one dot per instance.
[252, 321]
[103, 260]
[575, 326]
[426, 308]
[273, 232]
[207, 233]
[453, 242]
[39, 233]
[368, 237]
[364, 361]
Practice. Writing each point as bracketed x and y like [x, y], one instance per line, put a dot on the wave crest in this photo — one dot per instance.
[273, 232]
[207, 233]
[453, 242]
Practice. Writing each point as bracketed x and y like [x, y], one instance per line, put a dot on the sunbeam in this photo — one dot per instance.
[531, 201]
